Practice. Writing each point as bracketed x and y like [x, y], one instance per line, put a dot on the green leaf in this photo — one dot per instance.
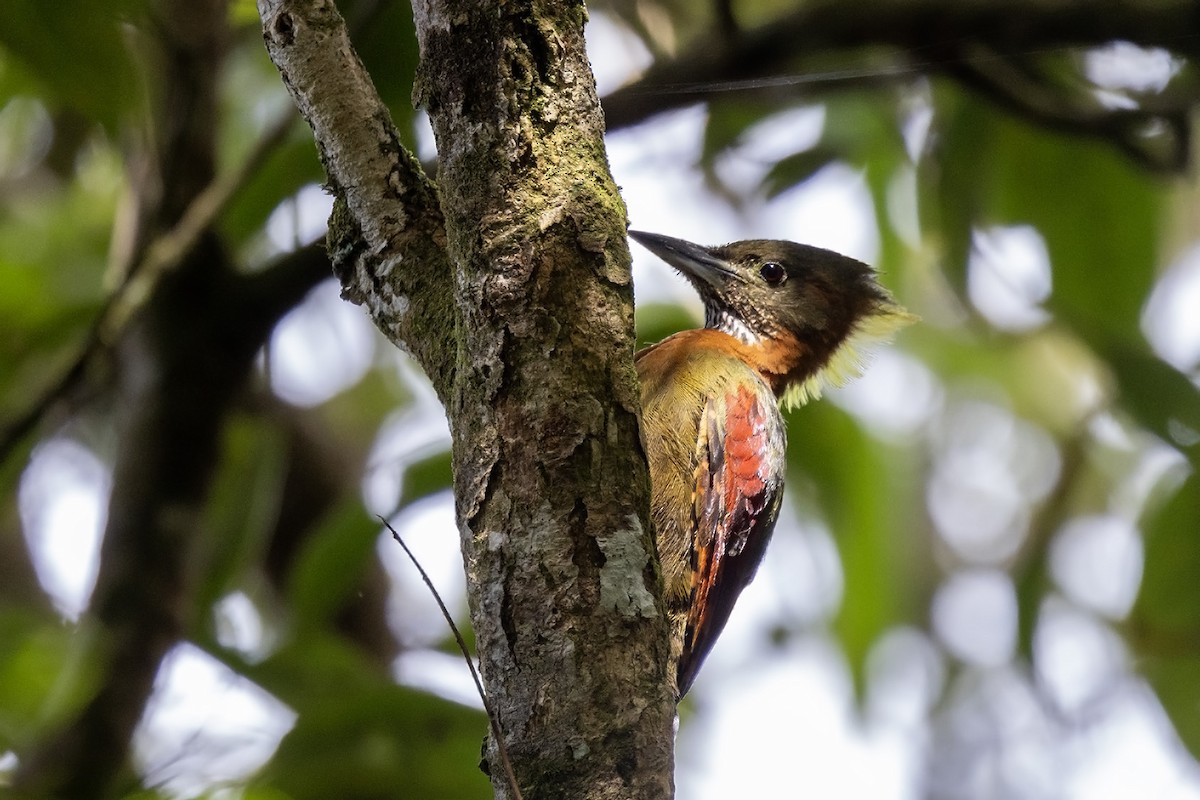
[388, 742]
[285, 171]
[953, 201]
[1169, 601]
[1174, 680]
[243, 13]
[243, 505]
[1100, 217]
[1165, 624]
[45, 674]
[1161, 397]
[727, 121]
[863, 131]
[426, 477]
[386, 40]
[332, 564]
[795, 169]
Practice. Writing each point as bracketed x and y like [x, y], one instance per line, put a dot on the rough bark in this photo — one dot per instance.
[550, 479]
[529, 340]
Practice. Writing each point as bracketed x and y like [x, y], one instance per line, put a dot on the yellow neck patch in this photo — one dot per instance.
[852, 355]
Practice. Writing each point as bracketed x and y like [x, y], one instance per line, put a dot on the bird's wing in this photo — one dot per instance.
[736, 495]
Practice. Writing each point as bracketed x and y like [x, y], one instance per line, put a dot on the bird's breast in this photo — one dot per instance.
[681, 377]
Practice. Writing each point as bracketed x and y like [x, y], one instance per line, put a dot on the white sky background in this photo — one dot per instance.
[766, 722]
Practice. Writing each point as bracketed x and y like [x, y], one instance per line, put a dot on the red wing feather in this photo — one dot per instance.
[739, 484]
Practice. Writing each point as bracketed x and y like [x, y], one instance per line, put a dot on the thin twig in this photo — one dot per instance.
[497, 733]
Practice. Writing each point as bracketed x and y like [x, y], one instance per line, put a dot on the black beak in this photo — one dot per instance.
[696, 263]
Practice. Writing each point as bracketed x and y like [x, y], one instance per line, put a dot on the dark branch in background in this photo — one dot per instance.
[162, 255]
[933, 37]
[198, 336]
[183, 345]
[167, 251]
[276, 289]
[180, 334]
[169, 386]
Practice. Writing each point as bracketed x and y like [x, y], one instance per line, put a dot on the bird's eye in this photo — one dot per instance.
[772, 272]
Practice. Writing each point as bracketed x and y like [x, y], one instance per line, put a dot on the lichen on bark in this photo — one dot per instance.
[550, 469]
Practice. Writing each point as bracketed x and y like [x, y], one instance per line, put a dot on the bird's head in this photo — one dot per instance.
[809, 310]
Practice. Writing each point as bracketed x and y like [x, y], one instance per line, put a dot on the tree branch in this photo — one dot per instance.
[927, 37]
[1020, 90]
[387, 238]
[169, 249]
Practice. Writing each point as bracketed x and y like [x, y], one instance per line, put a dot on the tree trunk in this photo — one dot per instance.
[528, 339]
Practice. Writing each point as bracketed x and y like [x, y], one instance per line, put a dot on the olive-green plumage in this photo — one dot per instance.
[781, 320]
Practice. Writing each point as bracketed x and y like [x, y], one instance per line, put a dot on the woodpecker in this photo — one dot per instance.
[781, 322]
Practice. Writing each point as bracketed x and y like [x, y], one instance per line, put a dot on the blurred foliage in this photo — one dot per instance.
[1022, 431]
